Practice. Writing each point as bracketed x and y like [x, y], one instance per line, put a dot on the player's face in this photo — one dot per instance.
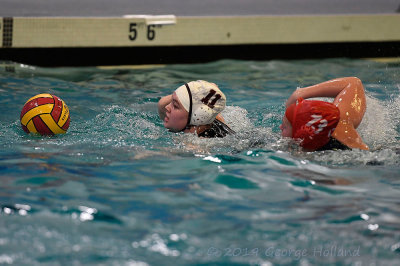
[286, 127]
[176, 116]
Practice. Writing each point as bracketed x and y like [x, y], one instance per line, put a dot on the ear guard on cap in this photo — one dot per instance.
[203, 100]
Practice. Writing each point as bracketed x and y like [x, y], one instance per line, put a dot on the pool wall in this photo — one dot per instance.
[182, 32]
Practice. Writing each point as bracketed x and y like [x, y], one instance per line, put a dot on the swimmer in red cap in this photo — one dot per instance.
[321, 125]
[195, 107]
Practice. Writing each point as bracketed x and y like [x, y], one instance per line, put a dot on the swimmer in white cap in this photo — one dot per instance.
[195, 107]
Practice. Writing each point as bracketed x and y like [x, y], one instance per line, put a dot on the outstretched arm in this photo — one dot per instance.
[349, 98]
[329, 88]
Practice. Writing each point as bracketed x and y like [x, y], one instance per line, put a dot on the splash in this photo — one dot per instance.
[379, 124]
[247, 136]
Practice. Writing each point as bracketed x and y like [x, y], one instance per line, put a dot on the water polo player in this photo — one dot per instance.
[320, 125]
[195, 107]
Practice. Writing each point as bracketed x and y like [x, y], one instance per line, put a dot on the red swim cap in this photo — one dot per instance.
[312, 122]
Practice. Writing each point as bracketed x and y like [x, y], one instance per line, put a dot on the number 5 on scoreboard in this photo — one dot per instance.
[132, 31]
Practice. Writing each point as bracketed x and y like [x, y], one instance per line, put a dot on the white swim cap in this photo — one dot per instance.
[203, 100]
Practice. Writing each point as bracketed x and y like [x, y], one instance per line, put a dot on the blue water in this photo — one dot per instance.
[119, 189]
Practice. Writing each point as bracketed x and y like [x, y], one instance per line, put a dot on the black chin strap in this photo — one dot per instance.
[190, 105]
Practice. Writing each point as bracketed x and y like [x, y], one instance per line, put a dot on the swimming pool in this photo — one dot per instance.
[119, 189]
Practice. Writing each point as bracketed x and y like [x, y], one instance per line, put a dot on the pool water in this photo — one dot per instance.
[119, 189]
